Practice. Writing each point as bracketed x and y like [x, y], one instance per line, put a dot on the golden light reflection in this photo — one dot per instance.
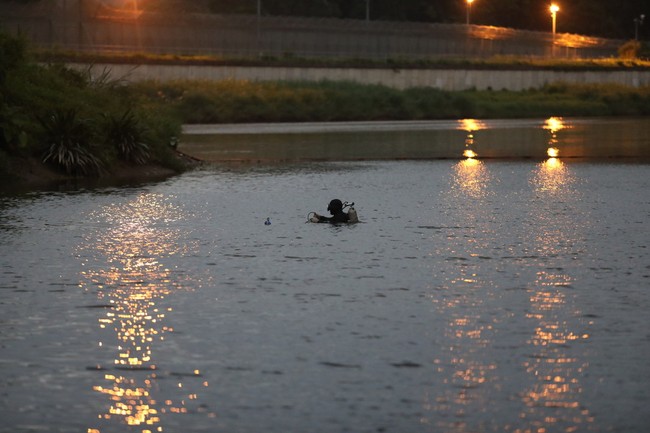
[465, 371]
[557, 373]
[135, 284]
[492, 33]
[576, 41]
[552, 400]
[470, 125]
[471, 177]
[551, 176]
[554, 125]
[469, 153]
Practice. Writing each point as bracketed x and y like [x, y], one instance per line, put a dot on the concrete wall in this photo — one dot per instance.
[446, 79]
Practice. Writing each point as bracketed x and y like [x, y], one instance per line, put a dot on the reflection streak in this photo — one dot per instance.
[555, 372]
[551, 176]
[135, 283]
[550, 397]
[553, 125]
[470, 125]
[472, 178]
[467, 375]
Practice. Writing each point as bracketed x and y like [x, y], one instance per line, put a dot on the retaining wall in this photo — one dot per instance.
[446, 79]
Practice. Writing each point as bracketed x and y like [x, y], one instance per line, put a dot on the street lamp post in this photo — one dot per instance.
[257, 26]
[638, 22]
[554, 10]
[469, 9]
[367, 10]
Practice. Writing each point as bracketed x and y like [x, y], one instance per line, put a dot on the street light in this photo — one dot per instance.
[638, 22]
[469, 8]
[554, 10]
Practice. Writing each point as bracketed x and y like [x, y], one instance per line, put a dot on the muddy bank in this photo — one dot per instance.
[22, 174]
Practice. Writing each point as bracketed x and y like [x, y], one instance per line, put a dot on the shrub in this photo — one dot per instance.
[629, 50]
[12, 54]
[13, 135]
[126, 134]
[69, 143]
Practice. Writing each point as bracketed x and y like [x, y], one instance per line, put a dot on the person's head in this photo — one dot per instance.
[335, 206]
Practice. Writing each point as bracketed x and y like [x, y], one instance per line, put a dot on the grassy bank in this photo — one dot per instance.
[244, 101]
[73, 124]
[498, 62]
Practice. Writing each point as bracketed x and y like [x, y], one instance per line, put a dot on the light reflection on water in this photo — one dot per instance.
[551, 177]
[134, 283]
[471, 126]
[553, 125]
[472, 177]
[555, 371]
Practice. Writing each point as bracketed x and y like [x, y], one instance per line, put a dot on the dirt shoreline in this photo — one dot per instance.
[30, 174]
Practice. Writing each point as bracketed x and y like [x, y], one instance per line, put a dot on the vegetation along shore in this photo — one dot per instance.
[58, 123]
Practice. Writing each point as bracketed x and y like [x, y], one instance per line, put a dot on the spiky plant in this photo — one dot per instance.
[127, 135]
[69, 143]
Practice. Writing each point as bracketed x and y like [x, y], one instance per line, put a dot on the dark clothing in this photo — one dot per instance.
[338, 217]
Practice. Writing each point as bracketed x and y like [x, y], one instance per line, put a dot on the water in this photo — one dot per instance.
[495, 138]
[475, 296]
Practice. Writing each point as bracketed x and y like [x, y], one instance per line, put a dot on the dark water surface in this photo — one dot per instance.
[475, 296]
[494, 138]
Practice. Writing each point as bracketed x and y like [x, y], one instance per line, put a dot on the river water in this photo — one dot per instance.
[475, 296]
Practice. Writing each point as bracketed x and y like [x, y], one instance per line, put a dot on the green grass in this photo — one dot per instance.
[243, 101]
[497, 62]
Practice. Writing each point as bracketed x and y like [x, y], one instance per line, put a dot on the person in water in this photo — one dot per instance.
[336, 209]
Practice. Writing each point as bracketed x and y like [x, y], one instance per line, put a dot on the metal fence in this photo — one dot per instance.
[92, 26]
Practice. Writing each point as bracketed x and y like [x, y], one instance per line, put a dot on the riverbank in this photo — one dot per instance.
[30, 174]
[94, 123]
[59, 125]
